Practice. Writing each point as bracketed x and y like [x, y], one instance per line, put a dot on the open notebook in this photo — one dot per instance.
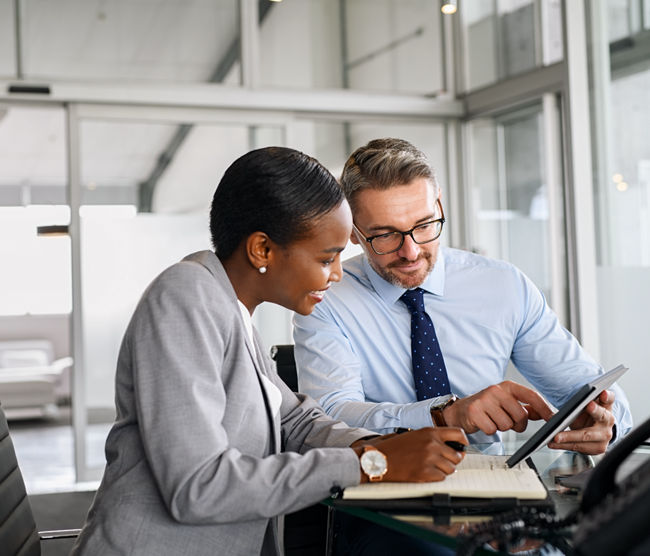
[477, 476]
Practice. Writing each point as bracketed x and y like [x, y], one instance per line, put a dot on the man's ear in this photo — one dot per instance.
[353, 237]
[258, 249]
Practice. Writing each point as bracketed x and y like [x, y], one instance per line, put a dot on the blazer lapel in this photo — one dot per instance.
[210, 261]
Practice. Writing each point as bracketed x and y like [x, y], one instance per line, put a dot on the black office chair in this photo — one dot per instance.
[285, 364]
[18, 533]
[305, 531]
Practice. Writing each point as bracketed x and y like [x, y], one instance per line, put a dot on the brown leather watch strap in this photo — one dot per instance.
[437, 416]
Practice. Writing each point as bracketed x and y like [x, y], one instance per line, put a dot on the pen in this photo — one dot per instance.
[455, 445]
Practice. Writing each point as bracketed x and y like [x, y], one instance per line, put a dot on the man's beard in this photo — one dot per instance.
[410, 281]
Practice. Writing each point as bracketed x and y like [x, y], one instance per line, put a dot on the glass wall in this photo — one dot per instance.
[621, 119]
[323, 44]
[514, 202]
[139, 40]
[36, 292]
[503, 38]
[34, 246]
[379, 45]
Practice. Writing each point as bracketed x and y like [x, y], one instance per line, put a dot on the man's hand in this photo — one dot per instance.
[502, 407]
[592, 429]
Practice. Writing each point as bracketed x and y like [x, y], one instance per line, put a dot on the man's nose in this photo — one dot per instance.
[409, 249]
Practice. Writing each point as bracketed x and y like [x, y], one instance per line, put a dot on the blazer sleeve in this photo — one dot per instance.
[175, 348]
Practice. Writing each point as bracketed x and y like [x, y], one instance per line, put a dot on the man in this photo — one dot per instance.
[354, 352]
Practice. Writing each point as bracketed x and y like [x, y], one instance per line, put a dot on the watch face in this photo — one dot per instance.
[374, 464]
[443, 401]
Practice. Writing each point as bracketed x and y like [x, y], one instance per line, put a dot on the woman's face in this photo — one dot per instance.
[304, 270]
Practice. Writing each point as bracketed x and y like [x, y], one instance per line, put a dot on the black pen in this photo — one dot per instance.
[455, 445]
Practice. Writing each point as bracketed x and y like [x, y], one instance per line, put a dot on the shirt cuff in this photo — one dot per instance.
[417, 415]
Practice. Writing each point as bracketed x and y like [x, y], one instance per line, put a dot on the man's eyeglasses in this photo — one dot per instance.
[383, 244]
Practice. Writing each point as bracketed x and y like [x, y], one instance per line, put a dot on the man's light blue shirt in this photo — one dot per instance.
[354, 354]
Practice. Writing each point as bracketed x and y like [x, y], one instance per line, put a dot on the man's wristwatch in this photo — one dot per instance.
[436, 409]
[373, 463]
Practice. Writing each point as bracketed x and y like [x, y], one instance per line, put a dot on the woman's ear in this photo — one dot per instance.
[258, 249]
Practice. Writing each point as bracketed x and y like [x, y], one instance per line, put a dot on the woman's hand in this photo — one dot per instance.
[418, 456]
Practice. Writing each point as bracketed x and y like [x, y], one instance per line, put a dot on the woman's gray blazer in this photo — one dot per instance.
[196, 462]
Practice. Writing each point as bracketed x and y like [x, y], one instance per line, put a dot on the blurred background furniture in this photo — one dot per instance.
[32, 382]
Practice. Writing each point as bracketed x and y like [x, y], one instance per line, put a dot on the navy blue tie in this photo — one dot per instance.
[429, 371]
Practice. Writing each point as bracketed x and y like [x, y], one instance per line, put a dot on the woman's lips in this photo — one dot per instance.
[318, 294]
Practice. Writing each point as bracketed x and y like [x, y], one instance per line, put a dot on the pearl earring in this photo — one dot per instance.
[262, 269]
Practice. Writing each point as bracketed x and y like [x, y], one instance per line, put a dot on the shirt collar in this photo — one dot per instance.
[434, 283]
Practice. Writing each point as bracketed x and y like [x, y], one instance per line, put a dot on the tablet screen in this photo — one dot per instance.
[566, 414]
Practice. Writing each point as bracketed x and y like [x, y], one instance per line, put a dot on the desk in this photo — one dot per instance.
[550, 465]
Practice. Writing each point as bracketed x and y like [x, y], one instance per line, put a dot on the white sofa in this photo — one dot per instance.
[31, 380]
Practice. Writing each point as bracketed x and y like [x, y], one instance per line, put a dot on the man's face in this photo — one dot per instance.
[399, 208]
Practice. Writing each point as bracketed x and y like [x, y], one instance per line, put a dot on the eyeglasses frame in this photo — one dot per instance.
[406, 233]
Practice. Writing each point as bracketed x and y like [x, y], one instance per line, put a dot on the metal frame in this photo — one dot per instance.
[551, 130]
[338, 103]
[579, 181]
[79, 417]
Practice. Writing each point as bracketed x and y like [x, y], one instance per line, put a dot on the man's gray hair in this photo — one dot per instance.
[382, 164]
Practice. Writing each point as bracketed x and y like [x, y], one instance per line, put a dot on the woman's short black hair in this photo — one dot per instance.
[275, 190]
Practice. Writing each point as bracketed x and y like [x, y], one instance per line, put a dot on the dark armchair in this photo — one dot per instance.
[18, 533]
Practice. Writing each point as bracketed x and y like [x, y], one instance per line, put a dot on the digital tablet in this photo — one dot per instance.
[566, 414]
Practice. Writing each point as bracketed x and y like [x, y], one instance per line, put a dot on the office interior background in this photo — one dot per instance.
[118, 118]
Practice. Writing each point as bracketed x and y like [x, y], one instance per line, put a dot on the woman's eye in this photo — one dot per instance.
[328, 262]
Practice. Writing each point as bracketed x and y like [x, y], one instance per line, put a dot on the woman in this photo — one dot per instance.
[209, 445]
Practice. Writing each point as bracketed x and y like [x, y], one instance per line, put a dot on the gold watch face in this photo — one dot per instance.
[374, 464]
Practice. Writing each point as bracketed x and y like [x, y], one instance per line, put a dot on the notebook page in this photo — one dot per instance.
[487, 461]
[477, 476]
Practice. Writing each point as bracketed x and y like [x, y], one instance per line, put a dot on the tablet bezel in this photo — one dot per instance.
[566, 414]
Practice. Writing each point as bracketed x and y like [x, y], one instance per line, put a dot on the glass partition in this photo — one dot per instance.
[152, 41]
[503, 38]
[620, 120]
[321, 44]
[34, 216]
[513, 200]
[36, 293]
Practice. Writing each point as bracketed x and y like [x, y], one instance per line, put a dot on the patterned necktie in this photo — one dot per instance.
[429, 371]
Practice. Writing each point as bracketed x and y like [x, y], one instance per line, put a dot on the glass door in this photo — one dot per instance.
[35, 292]
[142, 182]
[516, 199]
[516, 195]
